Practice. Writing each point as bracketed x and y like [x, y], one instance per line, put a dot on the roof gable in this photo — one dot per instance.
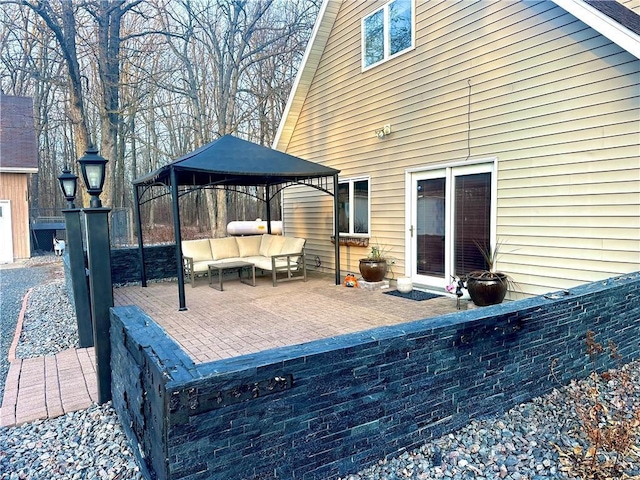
[18, 144]
[618, 12]
[308, 66]
[616, 22]
[609, 18]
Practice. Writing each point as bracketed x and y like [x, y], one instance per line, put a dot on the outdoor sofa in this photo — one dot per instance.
[274, 253]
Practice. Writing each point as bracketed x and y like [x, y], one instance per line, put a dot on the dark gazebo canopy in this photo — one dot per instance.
[230, 162]
[233, 161]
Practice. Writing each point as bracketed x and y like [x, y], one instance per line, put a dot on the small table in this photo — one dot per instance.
[220, 268]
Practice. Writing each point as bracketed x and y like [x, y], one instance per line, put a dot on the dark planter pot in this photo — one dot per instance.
[487, 289]
[373, 270]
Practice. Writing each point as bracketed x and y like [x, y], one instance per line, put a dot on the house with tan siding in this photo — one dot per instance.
[512, 122]
[18, 162]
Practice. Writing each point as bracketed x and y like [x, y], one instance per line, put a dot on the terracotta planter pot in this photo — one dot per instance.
[485, 289]
[373, 270]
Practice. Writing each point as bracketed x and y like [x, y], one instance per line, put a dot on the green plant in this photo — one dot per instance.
[377, 252]
[489, 254]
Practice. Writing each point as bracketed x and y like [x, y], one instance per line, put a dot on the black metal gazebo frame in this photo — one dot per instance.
[230, 162]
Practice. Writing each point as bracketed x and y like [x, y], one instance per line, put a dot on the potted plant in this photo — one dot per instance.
[488, 287]
[373, 268]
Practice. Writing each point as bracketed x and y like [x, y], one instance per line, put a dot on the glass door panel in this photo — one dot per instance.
[472, 221]
[451, 210]
[430, 227]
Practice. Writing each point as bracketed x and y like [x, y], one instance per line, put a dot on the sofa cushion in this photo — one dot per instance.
[273, 245]
[265, 242]
[224, 248]
[198, 250]
[201, 266]
[255, 259]
[249, 246]
[293, 245]
[264, 263]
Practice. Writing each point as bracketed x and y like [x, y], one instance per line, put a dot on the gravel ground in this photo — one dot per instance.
[546, 438]
[88, 444]
[15, 281]
[541, 439]
[50, 322]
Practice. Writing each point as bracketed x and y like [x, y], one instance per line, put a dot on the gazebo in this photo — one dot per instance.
[226, 163]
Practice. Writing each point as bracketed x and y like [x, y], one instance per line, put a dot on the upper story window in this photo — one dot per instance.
[353, 206]
[387, 32]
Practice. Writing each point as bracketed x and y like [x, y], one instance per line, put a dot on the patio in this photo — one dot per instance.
[242, 319]
[332, 406]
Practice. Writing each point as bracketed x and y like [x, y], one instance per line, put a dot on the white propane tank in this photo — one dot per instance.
[256, 227]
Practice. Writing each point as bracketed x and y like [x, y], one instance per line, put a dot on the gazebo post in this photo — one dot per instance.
[336, 227]
[177, 235]
[143, 266]
[267, 198]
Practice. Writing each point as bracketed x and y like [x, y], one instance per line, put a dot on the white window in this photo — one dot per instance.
[353, 206]
[387, 32]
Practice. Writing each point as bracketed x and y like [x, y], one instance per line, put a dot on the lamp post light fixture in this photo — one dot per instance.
[93, 173]
[96, 219]
[75, 252]
[69, 185]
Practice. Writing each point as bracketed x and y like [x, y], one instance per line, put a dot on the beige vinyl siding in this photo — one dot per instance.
[310, 216]
[556, 103]
[631, 5]
[13, 187]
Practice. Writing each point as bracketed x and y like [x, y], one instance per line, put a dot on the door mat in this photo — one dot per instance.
[413, 295]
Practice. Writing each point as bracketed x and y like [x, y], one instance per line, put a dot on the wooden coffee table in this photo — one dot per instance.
[220, 268]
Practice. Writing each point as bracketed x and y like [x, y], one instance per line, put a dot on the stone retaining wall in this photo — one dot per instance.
[334, 406]
[160, 260]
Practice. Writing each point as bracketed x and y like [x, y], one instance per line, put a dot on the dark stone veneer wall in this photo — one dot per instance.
[160, 261]
[334, 406]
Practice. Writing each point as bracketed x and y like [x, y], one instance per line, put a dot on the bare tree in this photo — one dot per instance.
[62, 22]
[152, 80]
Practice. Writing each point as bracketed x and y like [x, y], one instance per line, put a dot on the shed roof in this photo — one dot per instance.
[18, 144]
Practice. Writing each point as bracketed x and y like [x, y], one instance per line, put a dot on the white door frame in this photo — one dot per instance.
[449, 171]
[6, 233]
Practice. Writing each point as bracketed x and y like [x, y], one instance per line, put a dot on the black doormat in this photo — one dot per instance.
[413, 295]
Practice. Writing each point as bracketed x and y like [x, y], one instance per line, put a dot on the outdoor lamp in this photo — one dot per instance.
[93, 173]
[69, 185]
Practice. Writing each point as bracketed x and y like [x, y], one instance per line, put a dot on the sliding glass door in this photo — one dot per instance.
[451, 214]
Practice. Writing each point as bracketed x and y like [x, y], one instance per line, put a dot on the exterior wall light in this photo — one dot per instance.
[69, 185]
[93, 174]
[383, 132]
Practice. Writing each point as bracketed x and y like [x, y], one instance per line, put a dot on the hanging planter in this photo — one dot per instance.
[351, 241]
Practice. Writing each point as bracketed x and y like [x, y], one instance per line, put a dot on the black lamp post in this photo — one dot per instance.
[75, 252]
[93, 173]
[99, 256]
[69, 185]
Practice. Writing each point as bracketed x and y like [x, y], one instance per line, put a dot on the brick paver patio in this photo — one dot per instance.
[50, 386]
[237, 321]
[243, 319]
